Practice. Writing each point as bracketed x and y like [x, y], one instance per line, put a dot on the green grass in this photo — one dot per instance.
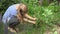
[47, 17]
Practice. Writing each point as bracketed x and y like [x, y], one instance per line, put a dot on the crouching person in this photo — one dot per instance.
[14, 15]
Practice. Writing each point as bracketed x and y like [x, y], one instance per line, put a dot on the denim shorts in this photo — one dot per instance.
[13, 22]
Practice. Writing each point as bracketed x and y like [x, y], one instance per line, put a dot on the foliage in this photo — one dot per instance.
[4, 4]
[47, 16]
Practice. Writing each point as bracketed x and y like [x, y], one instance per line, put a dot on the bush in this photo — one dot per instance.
[47, 16]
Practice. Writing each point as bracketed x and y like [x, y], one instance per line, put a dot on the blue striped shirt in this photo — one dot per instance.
[10, 12]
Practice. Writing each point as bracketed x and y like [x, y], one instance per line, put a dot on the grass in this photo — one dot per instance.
[46, 17]
[1, 28]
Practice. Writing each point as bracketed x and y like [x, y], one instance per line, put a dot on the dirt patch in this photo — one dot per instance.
[55, 30]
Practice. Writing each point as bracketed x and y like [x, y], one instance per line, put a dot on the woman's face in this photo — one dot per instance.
[23, 9]
[22, 12]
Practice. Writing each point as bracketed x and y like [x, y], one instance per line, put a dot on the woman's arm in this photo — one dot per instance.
[29, 21]
[18, 17]
[29, 17]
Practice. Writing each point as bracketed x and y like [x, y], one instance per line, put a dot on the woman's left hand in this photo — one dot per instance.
[34, 19]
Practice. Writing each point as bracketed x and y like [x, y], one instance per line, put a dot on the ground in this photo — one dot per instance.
[55, 30]
[24, 29]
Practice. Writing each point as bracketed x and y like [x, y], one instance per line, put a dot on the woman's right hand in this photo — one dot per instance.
[34, 19]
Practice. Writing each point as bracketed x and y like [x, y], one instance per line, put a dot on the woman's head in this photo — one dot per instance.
[23, 8]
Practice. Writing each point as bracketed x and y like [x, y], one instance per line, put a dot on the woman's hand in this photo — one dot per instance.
[34, 19]
[29, 17]
[33, 22]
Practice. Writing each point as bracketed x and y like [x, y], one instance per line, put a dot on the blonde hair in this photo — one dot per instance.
[21, 11]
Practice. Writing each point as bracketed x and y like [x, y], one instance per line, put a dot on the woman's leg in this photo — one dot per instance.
[13, 22]
[6, 30]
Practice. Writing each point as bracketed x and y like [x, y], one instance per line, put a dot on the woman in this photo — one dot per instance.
[16, 14]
